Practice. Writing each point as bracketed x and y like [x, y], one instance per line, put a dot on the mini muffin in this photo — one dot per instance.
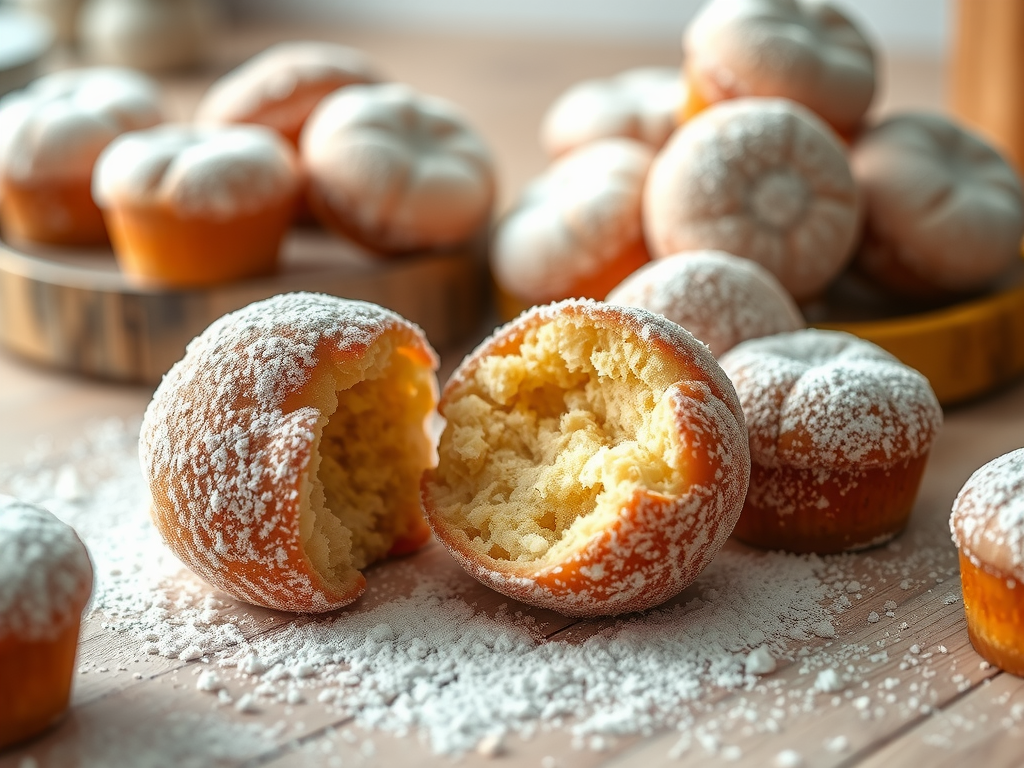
[284, 451]
[396, 171]
[805, 51]
[641, 104]
[576, 231]
[45, 583]
[190, 206]
[719, 298]
[280, 87]
[988, 530]
[594, 460]
[944, 210]
[50, 136]
[759, 178]
[840, 432]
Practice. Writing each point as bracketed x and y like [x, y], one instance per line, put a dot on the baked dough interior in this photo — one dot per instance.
[370, 450]
[546, 444]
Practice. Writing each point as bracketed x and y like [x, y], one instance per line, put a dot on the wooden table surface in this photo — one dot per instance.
[504, 85]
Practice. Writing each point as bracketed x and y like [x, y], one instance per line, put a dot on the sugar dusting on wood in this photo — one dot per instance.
[428, 661]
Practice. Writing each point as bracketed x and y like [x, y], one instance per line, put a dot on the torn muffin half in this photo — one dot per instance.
[594, 459]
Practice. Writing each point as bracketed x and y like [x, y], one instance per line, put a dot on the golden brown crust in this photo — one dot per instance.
[228, 441]
[656, 543]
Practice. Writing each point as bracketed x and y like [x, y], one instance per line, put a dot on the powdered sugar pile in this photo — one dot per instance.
[437, 659]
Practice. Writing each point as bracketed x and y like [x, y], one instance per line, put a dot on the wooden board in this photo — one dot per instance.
[72, 309]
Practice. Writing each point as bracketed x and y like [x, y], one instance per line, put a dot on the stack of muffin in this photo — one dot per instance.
[302, 130]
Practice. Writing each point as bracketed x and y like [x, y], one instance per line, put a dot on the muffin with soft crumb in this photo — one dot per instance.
[594, 460]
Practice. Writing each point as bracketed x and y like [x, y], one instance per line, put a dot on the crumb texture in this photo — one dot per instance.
[274, 448]
[45, 573]
[588, 465]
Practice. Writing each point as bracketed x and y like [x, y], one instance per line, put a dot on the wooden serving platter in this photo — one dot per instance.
[74, 310]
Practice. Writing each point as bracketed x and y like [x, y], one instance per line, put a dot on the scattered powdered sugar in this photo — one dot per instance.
[428, 660]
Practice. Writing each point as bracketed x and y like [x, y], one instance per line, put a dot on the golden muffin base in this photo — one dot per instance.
[828, 511]
[995, 615]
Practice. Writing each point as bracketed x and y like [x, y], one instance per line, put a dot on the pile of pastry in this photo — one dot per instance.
[762, 149]
[301, 131]
[596, 456]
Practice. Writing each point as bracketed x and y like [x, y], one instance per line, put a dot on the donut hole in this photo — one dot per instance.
[547, 444]
[366, 465]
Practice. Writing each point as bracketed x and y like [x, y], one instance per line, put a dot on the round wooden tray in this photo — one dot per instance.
[73, 309]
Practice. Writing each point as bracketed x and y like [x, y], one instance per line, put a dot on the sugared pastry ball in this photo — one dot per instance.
[188, 205]
[804, 50]
[944, 211]
[284, 451]
[45, 583]
[840, 432]
[594, 460]
[576, 231]
[50, 136]
[280, 87]
[719, 298]
[988, 530]
[395, 170]
[641, 104]
[760, 178]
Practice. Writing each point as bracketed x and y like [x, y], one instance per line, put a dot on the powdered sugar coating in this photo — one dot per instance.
[818, 399]
[764, 179]
[806, 51]
[573, 222]
[396, 169]
[987, 522]
[215, 172]
[719, 298]
[225, 450]
[640, 104]
[658, 543]
[943, 208]
[259, 89]
[45, 572]
[59, 124]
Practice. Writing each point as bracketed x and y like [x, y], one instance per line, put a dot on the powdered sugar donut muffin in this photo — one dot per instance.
[641, 104]
[280, 86]
[577, 230]
[944, 210]
[45, 583]
[988, 529]
[50, 136]
[190, 206]
[807, 51]
[395, 170]
[840, 432]
[284, 451]
[719, 298]
[594, 460]
[759, 178]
